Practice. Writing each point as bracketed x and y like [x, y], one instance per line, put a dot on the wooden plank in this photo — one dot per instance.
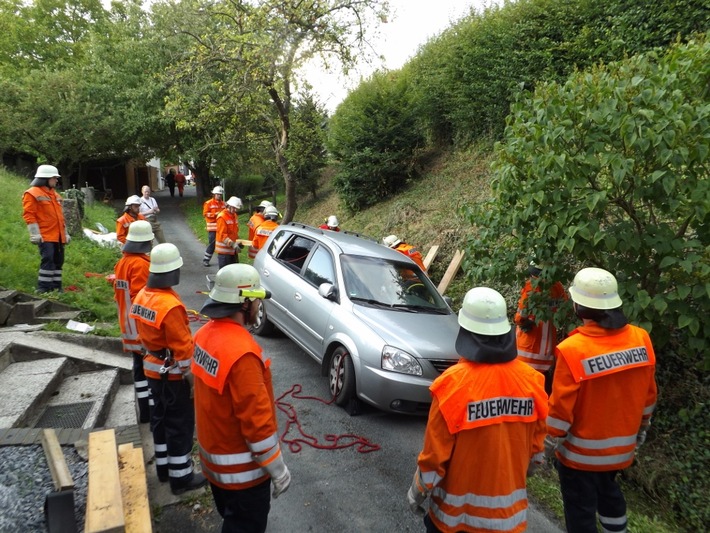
[56, 460]
[430, 256]
[244, 242]
[134, 489]
[451, 271]
[104, 506]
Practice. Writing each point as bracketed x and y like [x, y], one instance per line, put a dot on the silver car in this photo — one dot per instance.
[367, 313]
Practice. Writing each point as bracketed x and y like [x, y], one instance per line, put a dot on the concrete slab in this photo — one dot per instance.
[123, 409]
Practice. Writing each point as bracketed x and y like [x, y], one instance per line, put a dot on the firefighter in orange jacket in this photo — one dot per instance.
[210, 209]
[394, 242]
[131, 213]
[234, 404]
[257, 219]
[603, 395]
[165, 334]
[271, 214]
[536, 340]
[331, 223]
[43, 214]
[227, 243]
[131, 276]
[485, 430]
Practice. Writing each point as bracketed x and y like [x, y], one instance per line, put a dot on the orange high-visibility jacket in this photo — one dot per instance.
[210, 210]
[227, 232]
[43, 206]
[122, 224]
[256, 220]
[235, 412]
[486, 423]
[537, 346]
[131, 273]
[261, 235]
[162, 323]
[411, 252]
[603, 389]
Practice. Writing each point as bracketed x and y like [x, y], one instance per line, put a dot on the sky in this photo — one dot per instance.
[411, 24]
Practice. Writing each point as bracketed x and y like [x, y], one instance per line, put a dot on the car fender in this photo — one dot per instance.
[332, 343]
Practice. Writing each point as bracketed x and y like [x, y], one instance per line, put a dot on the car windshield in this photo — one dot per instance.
[389, 284]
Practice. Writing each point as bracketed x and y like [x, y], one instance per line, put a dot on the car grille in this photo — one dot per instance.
[442, 364]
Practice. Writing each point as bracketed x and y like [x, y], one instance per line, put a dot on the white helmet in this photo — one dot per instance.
[271, 212]
[47, 171]
[235, 283]
[133, 200]
[235, 202]
[218, 190]
[265, 203]
[595, 288]
[140, 231]
[164, 258]
[484, 312]
[332, 222]
[391, 241]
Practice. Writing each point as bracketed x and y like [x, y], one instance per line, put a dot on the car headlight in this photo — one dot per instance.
[397, 360]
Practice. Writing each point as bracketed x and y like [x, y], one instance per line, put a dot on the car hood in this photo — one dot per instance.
[424, 335]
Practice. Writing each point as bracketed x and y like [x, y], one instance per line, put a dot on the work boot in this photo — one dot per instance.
[205, 263]
[197, 481]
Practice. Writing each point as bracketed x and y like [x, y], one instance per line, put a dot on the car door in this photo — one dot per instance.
[308, 310]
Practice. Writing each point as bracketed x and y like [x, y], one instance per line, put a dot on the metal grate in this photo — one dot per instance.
[71, 415]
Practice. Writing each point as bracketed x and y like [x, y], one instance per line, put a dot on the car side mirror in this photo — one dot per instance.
[328, 291]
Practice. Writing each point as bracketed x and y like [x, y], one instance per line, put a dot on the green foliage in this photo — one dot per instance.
[306, 149]
[374, 140]
[79, 196]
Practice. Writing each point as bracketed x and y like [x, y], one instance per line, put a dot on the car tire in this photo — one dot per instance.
[262, 327]
[342, 377]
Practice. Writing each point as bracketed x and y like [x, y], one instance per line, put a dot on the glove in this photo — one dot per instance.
[415, 496]
[536, 463]
[551, 444]
[190, 378]
[67, 237]
[280, 476]
[640, 438]
[35, 237]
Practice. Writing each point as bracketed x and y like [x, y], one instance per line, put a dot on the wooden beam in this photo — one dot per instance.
[134, 489]
[57, 463]
[451, 271]
[430, 256]
[104, 505]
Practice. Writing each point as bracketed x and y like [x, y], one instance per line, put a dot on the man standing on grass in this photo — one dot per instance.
[43, 214]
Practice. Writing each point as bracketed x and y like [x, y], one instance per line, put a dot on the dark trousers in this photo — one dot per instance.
[171, 187]
[243, 511]
[584, 494]
[143, 397]
[209, 251]
[224, 260]
[173, 426]
[50, 267]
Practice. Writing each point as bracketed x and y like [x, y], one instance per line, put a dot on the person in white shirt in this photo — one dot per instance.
[149, 209]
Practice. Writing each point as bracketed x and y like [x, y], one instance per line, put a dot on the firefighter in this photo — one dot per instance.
[603, 395]
[331, 223]
[257, 218]
[536, 340]
[210, 209]
[234, 404]
[165, 334]
[271, 214]
[44, 216]
[485, 430]
[227, 243]
[131, 276]
[394, 242]
[131, 213]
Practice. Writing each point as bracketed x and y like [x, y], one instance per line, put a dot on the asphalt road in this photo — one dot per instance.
[332, 490]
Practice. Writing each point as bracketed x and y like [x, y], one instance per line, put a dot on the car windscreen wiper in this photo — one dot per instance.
[370, 301]
[417, 308]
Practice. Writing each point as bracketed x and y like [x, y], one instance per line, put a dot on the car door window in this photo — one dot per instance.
[320, 268]
[295, 252]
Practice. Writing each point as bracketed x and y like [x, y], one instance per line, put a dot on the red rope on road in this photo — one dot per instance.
[296, 444]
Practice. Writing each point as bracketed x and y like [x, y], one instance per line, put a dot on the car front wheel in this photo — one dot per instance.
[342, 377]
[262, 327]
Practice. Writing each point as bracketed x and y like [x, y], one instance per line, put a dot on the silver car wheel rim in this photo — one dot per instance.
[336, 375]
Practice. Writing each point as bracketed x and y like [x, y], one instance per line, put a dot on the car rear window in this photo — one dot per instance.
[295, 252]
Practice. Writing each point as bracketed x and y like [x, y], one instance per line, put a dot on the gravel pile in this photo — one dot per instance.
[25, 482]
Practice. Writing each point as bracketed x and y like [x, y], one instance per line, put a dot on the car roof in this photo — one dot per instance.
[347, 242]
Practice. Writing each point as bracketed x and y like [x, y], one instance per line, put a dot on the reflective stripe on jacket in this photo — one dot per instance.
[235, 412]
[210, 209]
[122, 224]
[162, 323]
[131, 276]
[256, 220]
[261, 235]
[603, 389]
[43, 206]
[537, 346]
[486, 423]
[411, 252]
[227, 232]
